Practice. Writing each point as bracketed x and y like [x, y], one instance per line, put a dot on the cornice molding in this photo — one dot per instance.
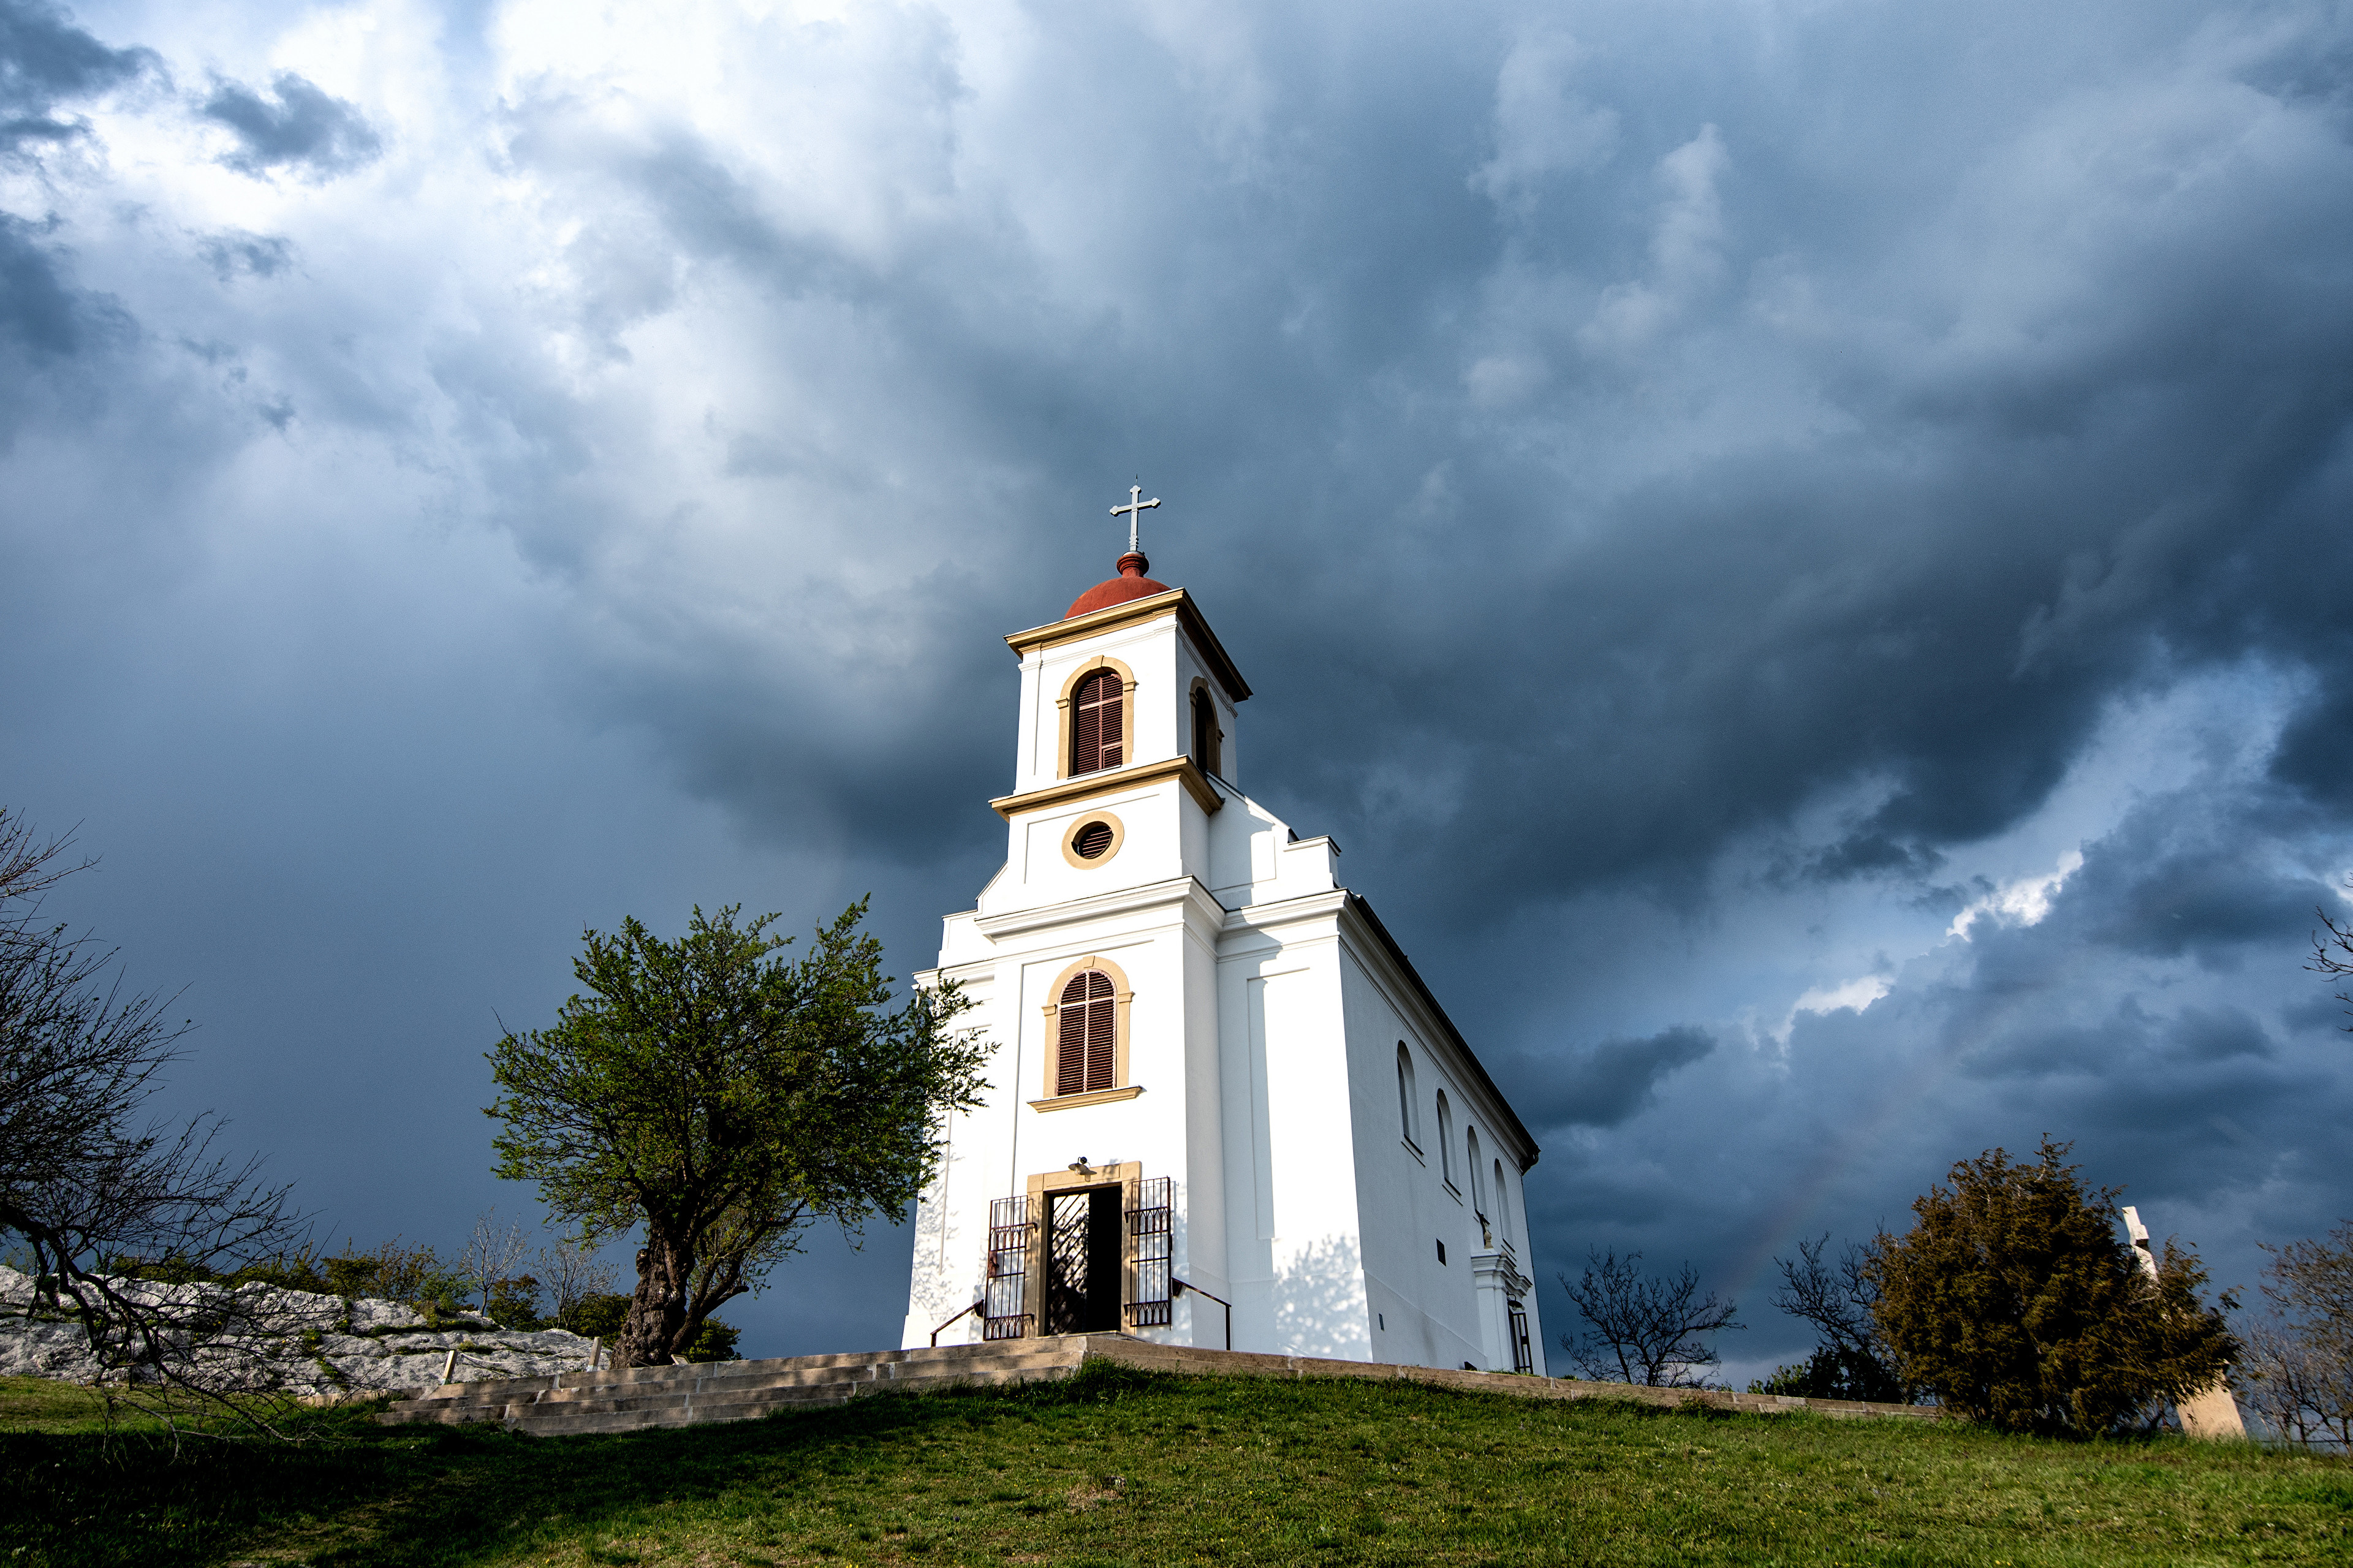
[1177, 602]
[1111, 781]
[1183, 891]
[1287, 912]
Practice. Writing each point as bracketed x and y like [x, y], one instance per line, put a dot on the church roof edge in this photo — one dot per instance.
[1175, 602]
[1454, 1036]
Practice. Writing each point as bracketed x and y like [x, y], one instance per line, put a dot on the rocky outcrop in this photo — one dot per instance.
[310, 1344]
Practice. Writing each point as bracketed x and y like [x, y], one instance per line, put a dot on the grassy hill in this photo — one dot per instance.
[1118, 1467]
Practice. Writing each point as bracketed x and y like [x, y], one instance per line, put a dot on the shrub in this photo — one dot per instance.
[1833, 1373]
[514, 1303]
[715, 1342]
[2014, 1298]
[599, 1316]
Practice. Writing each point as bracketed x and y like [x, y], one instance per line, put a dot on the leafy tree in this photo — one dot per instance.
[598, 1317]
[2015, 1301]
[725, 1099]
[1851, 1360]
[1643, 1329]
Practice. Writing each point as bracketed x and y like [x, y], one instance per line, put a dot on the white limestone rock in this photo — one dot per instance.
[357, 1346]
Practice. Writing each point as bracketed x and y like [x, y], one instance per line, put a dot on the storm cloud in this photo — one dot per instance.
[305, 128]
[1801, 550]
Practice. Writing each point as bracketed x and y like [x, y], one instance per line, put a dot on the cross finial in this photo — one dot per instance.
[1135, 508]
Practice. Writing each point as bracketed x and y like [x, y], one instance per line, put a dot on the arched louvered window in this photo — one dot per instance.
[1408, 1105]
[1086, 1049]
[1470, 1172]
[1205, 731]
[1098, 727]
[1502, 1207]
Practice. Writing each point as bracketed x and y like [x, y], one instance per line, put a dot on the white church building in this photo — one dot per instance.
[1225, 1109]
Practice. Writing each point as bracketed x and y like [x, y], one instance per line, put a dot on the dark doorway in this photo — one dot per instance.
[1082, 1236]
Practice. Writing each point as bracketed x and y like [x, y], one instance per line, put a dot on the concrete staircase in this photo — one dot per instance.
[649, 1396]
[631, 1399]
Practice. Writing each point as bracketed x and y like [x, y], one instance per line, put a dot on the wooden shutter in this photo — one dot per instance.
[1098, 727]
[1086, 1042]
[1102, 1041]
[1086, 745]
[1071, 1048]
[1114, 725]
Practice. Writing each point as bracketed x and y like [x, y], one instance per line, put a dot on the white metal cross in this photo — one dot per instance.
[1135, 508]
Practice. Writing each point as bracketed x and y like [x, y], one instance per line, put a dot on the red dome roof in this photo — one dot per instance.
[1131, 583]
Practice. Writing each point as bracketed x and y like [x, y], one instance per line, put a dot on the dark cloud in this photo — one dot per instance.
[305, 130]
[45, 60]
[36, 309]
[1601, 1085]
[40, 310]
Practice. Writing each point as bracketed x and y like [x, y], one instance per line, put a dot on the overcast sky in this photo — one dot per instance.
[1801, 548]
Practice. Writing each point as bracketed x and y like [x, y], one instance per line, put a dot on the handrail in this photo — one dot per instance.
[1181, 1286]
[968, 1312]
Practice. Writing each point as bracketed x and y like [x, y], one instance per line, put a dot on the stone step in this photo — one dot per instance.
[638, 1398]
[798, 1393]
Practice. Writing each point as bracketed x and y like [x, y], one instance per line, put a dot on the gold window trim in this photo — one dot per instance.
[1071, 839]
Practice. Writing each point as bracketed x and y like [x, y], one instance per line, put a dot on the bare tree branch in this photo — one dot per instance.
[490, 1257]
[1643, 1329]
[574, 1272]
[2297, 1365]
[2333, 954]
[130, 1225]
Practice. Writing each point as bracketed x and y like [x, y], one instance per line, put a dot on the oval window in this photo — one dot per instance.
[1091, 841]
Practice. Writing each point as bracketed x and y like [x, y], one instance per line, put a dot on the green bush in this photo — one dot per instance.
[598, 1317]
[415, 1275]
[514, 1304]
[716, 1341]
[1833, 1373]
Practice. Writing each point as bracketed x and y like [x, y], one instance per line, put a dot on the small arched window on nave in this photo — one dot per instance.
[1408, 1104]
[1098, 723]
[1086, 1045]
[1445, 1139]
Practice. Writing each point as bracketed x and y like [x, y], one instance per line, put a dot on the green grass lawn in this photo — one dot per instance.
[1121, 1467]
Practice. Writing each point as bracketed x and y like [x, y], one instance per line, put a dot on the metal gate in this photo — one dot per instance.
[1006, 1314]
[1524, 1357]
[1151, 1239]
